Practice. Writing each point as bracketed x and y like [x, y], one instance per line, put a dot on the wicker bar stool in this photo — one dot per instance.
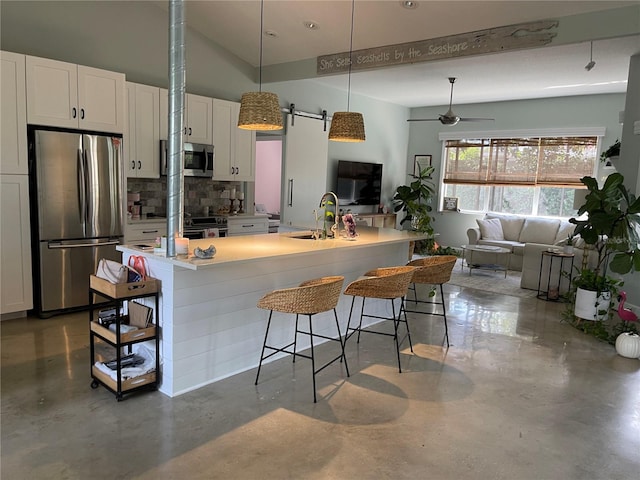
[309, 298]
[387, 283]
[434, 270]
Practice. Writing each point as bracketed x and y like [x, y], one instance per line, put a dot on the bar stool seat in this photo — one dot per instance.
[309, 298]
[387, 283]
[435, 270]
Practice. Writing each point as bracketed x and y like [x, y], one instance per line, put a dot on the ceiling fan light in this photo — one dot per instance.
[260, 111]
[347, 127]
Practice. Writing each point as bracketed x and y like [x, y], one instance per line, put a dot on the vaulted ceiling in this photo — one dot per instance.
[549, 71]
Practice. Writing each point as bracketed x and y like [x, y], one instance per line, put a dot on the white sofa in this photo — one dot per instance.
[527, 238]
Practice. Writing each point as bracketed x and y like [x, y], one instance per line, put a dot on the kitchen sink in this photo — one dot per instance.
[306, 236]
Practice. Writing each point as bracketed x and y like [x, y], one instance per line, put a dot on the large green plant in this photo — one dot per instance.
[611, 228]
[415, 200]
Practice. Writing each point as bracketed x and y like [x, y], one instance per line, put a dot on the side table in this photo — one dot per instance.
[553, 293]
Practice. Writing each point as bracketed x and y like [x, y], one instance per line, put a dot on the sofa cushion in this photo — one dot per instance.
[539, 230]
[511, 227]
[564, 231]
[490, 229]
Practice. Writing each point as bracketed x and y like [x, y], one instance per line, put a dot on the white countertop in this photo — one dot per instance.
[252, 247]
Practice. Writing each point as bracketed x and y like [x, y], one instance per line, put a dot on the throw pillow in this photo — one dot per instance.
[511, 227]
[490, 229]
[564, 231]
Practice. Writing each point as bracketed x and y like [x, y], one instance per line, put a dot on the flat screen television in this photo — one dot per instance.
[359, 183]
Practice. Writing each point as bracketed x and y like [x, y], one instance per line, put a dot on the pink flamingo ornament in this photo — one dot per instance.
[625, 314]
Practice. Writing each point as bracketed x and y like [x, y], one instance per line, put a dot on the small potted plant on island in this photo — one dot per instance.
[611, 229]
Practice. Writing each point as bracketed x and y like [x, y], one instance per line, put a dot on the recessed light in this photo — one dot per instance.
[409, 4]
[311, 25]
[270, 33]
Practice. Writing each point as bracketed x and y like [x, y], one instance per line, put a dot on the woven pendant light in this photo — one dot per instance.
[348, 126]
[260, 110]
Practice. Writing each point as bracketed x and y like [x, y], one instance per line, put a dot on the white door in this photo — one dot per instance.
[305, 165]
[143, 133]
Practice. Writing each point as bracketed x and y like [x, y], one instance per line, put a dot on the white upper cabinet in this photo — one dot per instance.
[13, 114]
[142, 136]
[235, 149]
[198, 118]
[67, 95]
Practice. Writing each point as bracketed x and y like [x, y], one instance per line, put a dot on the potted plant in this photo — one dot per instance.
[568, 246]
[612, 230]
[612, 151]
[415, 200]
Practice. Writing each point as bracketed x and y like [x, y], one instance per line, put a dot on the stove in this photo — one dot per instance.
[206, 227]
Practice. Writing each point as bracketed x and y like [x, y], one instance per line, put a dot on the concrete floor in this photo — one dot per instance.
[519, 395]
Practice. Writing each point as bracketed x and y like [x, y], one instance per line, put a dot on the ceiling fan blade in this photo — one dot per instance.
[469, 119]
[423, 120]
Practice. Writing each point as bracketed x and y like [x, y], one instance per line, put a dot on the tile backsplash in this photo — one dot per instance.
[200, 194]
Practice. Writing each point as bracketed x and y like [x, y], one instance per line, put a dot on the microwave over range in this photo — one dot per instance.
[198, 159]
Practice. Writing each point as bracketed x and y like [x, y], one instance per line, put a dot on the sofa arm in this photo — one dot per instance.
[473, 234]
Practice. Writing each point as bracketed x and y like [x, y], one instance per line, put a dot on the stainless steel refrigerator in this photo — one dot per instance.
[76, 210]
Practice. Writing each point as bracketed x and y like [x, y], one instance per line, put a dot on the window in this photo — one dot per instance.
[527, 176]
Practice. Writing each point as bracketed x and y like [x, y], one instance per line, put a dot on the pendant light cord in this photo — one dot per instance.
[261, 35]
[353, 6]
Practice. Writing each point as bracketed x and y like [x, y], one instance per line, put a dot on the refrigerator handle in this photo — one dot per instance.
[82, 193]
[53, 245]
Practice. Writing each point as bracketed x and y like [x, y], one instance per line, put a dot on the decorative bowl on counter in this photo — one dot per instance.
[208, 253]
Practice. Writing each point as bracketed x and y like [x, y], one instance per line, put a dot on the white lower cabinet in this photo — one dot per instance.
[15, 245]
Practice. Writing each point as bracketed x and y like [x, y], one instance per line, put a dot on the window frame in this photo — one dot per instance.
[443, 137]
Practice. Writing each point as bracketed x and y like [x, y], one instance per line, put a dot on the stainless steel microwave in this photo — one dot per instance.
[198, 159]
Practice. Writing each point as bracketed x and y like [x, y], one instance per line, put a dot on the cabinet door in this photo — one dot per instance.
[224, 166]
[13, 114]
[129, 150]
[52, 92]
[144, 126]
[305, 166]
[101, 100]
[15, 245]
[199, 118]
[245, 149]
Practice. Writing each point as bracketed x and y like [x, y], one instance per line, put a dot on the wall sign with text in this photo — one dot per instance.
[501, 39]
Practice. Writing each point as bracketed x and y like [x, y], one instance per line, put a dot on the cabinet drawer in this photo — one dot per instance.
[248, 226]
[147, 231]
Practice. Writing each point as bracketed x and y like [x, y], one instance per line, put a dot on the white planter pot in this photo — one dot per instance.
[568, 249]
[588, 304]
[628, 345]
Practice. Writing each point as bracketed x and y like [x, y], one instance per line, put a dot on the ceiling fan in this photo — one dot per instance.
[449, 118]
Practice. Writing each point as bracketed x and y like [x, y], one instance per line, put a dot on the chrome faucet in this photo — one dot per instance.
[336, 220]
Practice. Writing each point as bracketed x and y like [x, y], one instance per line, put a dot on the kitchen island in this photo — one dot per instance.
[211, 327]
